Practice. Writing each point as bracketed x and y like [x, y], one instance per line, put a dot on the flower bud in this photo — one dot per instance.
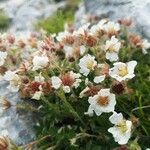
[4, 103]
[4, 143]
[118, 87]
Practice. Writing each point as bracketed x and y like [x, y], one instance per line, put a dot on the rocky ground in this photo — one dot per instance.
[138, 10]
[23, 14]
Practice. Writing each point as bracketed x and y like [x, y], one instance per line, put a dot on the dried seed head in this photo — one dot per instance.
[4, 143]
[4, 103]
[67, 80]
[118, 87]
[23, 67]
[11, 39]
[121, 148]
[135, 40]
[47, 88]
[33, 42]
[21, 44]
[93, 90]
[91, 41]
[69, 40]
[125, 22]
[135, 120]
[2, 70]
[25, 91]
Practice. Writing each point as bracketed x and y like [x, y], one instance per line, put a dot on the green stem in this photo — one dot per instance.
[62, 96]
[142, 107]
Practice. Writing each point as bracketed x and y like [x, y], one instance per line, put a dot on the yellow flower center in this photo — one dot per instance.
[122, 126]
[103, 101]
[90, 65]
[122, 71]
[112, 48]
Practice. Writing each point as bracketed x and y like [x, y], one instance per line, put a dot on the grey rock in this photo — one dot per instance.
[25, 13]
[19, 124]
[138, 10]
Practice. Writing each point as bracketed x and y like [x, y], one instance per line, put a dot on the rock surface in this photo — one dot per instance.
[25, 13]
[138, 10]
[19, 124]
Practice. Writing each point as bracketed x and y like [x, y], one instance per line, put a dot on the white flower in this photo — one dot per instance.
[96, 29]
[56, 82]
[62, 35]
[99, 79]
[39, 78]
[66, 89]
[112, 48]
[122, 71]
[112, 27]
[40, 62]
[87, 64]
[104, 101]
[3, 56]
[82, 49]
[81, 30]
[122, 128]
[82, 94]
[13, 79]
[76, 77]
[71, 51]
[68, 51]
[145, 45]
[37, 95]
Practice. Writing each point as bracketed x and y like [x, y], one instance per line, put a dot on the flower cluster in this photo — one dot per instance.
[88, 63]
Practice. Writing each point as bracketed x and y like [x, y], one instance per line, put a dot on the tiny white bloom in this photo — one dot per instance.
[66, 89]
[87, 64]
[112, 27]
[96, 29]
[81, 30]
[86, 81]
[99, 79]
[83, 92]
[56, 82]
[13, 79]
[37, 95]
[76, 77]
[40, 62]
[122, 71]
[145, 45]
[62, 35]
[104, 101]
[70, 51]
[82, 49]
[39, 78]
[122, 128]
[112, 48]
[3, 56]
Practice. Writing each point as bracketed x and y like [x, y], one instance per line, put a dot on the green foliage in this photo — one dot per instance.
[55, 23]
[4, 21]
[70, 129]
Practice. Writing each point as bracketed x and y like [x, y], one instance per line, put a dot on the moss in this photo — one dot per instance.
[55, 23]
[4, 21]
